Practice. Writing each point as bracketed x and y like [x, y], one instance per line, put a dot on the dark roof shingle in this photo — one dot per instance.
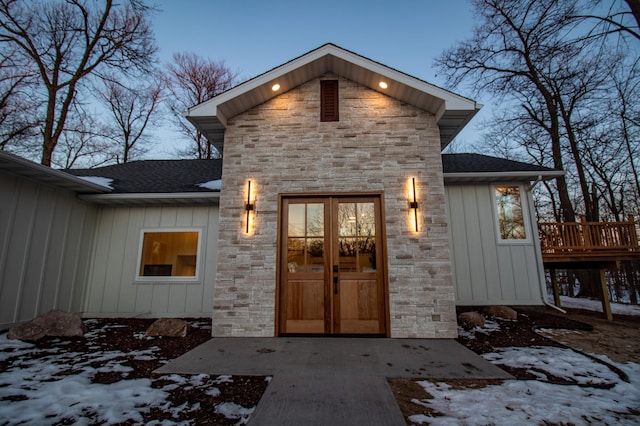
[478, 163]
[157, 176]
[175, 176]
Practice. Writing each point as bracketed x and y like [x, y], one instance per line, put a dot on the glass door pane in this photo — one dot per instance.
[356, 237]
[304, 284]
[358, 302]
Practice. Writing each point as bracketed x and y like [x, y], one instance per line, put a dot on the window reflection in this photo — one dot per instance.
[306, 238]
[510, 216]
[356, 237]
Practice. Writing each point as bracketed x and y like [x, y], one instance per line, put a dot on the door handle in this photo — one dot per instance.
[335, 285]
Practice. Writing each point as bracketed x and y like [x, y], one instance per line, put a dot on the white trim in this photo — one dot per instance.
[164, 196]
[502, 176]
[139, 279]
[524, 206]
[538, 250]
[452, 111]
[11, 163]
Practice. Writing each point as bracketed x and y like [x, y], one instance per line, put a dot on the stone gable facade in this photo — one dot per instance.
[378, 145]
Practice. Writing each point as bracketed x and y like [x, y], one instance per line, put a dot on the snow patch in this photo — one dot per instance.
[596, 305]
[545, 361]
[51, 386]
[213, 185]
[536, 402]
[102, 181]
[470, 334]
[234, 411]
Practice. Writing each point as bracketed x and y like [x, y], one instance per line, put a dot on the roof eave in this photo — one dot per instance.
[453, 121]
[173, 198]
[452, 111]
[485, 177]
[28, 169]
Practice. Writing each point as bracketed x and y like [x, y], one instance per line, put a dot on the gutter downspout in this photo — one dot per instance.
[538, 250]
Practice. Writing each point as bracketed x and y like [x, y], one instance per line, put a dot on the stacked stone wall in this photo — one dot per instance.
[379, 144]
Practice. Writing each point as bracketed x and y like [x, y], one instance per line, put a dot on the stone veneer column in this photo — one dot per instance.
[378, 145]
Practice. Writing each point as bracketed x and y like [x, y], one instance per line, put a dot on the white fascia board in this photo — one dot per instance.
[210, 107]
[105, 198]
[28, 168]
[451, 100]
[497, 176]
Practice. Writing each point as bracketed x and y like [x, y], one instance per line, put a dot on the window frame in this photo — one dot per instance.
[141, 279]
[524, 205]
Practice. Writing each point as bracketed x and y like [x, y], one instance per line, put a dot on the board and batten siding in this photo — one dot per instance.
[486, 271]
[45, 240]
[113, 290]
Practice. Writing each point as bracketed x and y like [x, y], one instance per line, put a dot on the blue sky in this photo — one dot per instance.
[253, 36]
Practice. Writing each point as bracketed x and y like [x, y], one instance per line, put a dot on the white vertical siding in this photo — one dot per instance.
[45, 238]
[113, 290]
[484, 270]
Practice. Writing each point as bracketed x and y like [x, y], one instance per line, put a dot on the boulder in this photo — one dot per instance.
[169, 327]
[503, 312]
[471, 319]
[54, 323]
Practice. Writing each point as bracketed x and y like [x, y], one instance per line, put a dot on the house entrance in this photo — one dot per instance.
[331, 276]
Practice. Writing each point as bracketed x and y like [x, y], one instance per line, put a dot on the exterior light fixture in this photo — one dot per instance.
[414, 204]
[383, 85]
[275, 87]
[249, 206]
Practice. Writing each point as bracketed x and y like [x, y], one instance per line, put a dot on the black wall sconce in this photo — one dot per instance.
[414, 204]
[249, 206]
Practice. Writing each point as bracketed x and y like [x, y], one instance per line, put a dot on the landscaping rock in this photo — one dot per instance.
[169, 327]
[54, 323]
[471, 319]
[503, 312]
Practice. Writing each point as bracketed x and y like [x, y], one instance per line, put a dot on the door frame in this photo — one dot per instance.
[383, 241]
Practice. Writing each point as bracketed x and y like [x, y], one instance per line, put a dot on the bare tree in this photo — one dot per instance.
[515, 51]
[544, 58]
[132, 110]
[617, 20]
[193, 80]
[68, 42]
[83, 143]
[16, 120]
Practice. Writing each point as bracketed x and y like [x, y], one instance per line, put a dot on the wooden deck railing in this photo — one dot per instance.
[586, 239]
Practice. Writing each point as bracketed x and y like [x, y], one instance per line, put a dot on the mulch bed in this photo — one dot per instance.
[127, 335]
[521, 332]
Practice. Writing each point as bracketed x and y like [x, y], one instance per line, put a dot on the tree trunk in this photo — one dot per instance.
[589, 283]
[634, 5]
[631, 273]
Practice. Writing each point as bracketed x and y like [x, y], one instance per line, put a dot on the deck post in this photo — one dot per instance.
[606, 304]
[556, 289]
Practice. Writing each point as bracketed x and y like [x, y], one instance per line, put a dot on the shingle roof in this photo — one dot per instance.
[478, 163]
[184, 176]
[157, 176]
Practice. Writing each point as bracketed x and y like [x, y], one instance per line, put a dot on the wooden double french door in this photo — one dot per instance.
[331, 275]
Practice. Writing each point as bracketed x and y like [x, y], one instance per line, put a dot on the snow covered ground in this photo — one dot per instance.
[541, 401]
[54, 386]
[596, 306]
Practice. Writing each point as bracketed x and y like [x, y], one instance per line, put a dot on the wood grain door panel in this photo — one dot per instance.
[331, 268]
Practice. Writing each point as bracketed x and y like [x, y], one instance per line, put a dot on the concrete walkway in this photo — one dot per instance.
[336, 381]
